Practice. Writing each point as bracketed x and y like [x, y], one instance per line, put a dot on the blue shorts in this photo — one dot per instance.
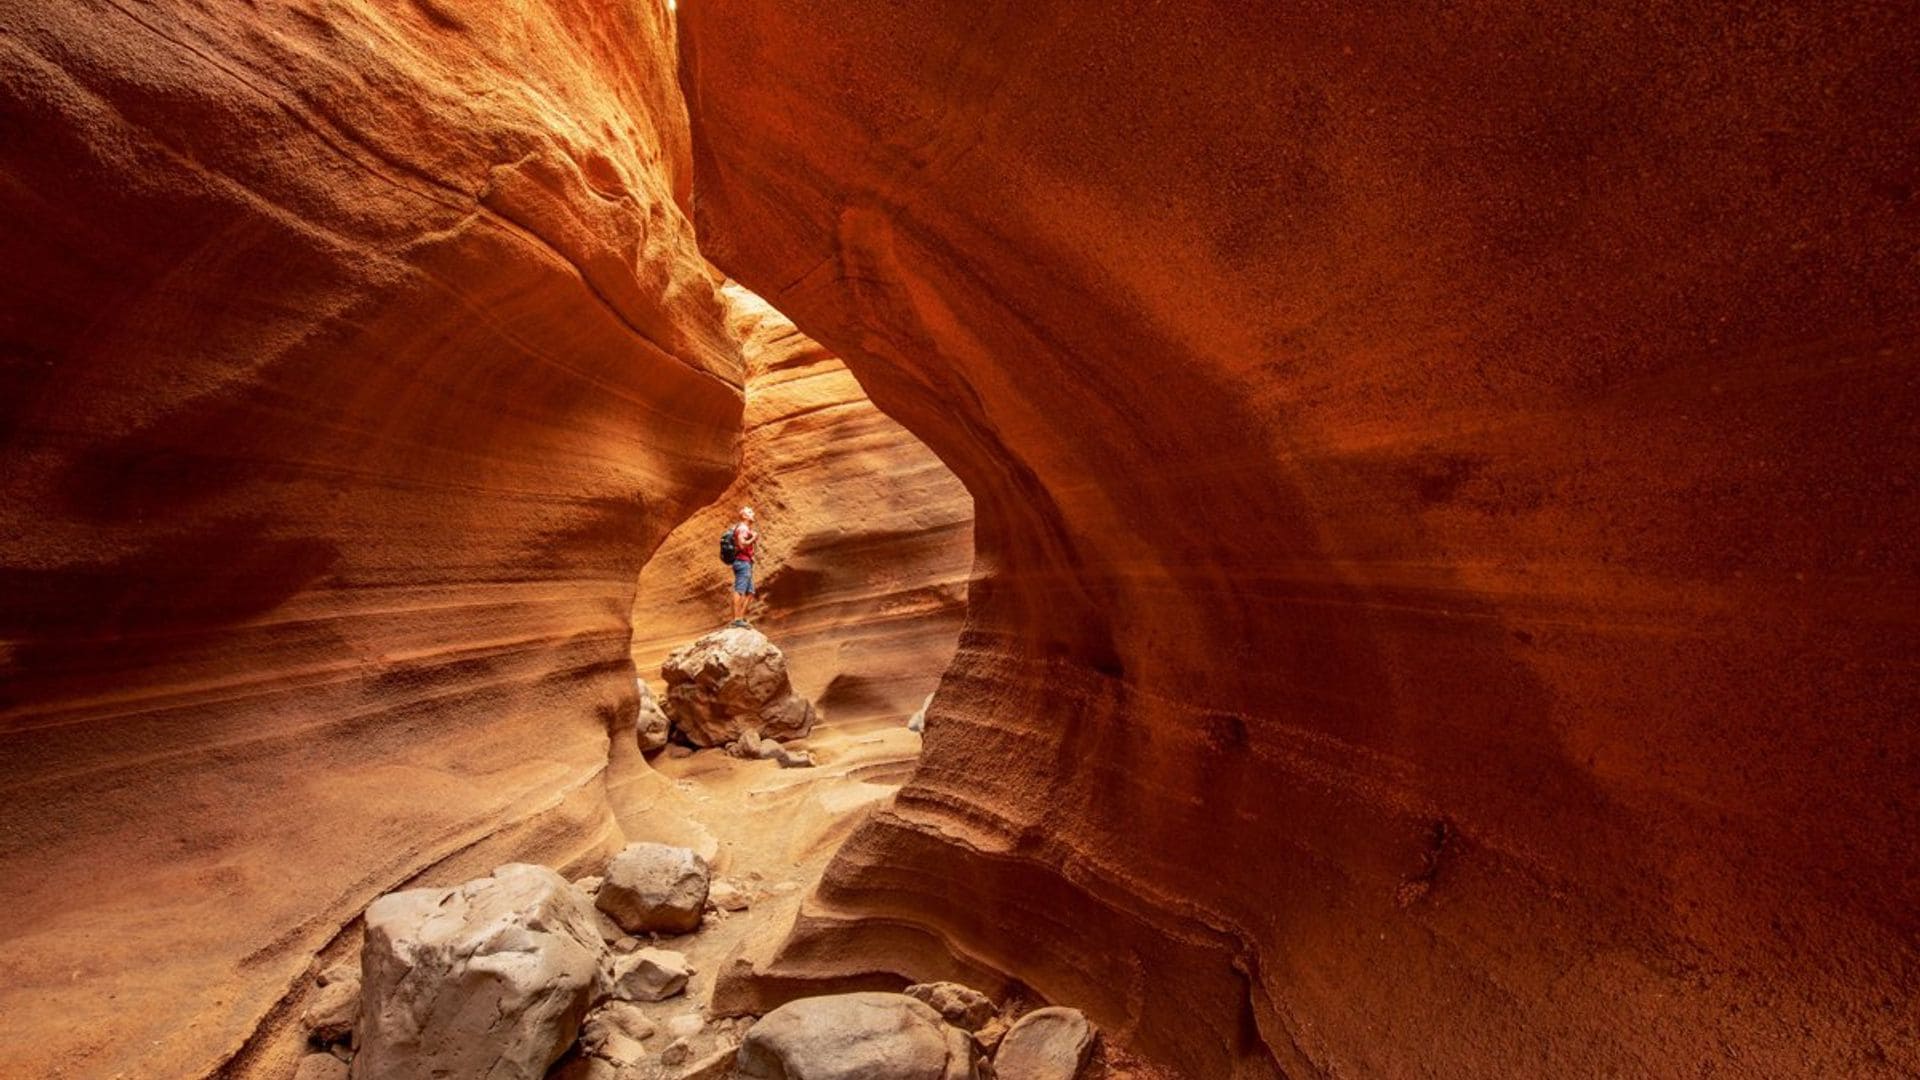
[743, 576]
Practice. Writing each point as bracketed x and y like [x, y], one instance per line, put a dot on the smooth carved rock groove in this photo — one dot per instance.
[1446, 579]
[356, 355]
[869, 538]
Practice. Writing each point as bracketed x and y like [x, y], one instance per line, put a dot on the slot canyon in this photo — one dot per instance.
[1410, 512]
[865, 578]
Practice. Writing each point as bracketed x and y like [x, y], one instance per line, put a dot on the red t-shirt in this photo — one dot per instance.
[743, 539]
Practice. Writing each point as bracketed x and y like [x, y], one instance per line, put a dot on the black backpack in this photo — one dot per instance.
[728, 549]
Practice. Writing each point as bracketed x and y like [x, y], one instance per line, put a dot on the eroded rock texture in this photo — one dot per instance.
[488, 979]
[1446, 597]
[354, 356]
[730, 683]
[868, 537]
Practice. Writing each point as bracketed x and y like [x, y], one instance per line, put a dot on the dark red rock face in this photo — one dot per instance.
[353, 357]
[1445, 513]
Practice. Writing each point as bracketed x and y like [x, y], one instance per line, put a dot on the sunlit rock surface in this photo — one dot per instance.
[1447, 569]
[352, 358]
[868, 537]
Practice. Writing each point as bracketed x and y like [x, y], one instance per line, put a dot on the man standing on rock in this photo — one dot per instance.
[743, 538]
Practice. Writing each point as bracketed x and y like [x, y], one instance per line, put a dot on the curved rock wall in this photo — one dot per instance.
[1446, 578]
[869, 538]
[352, 358]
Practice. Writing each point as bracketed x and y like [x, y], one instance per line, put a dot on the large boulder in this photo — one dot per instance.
[867, 1036]
[655, 889]
[487, 980]
[730, 682]
[1046, 1044]
[652, 727]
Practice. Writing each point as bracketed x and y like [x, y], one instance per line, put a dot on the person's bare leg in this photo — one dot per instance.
[739, 606]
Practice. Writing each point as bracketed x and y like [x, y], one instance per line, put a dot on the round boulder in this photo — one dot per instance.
[865, 1036]
[731, 682]
[655, 888]
[1046, 1044]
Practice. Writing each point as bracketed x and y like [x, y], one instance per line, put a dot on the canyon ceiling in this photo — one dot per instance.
[1444, 593]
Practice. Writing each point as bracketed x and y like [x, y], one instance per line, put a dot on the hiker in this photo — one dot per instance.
[736, 550]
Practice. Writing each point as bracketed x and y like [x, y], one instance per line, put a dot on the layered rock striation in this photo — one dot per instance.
[353, 356]
[1446, 573]
[868, 538]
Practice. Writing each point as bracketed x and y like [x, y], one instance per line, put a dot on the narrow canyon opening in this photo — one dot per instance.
[863, 581]
[861, 562]
[1410, 513]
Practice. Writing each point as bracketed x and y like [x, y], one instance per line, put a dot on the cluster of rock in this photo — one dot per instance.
[522, 975]
[503, 976]
[729, 688]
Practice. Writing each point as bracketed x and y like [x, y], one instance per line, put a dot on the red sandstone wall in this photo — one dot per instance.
[1549, 379]
[353, 356]
[869, 539]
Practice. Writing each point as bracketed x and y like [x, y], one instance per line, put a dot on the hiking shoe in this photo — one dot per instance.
[738, 622]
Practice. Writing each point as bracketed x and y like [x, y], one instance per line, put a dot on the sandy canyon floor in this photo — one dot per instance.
[768, 830]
